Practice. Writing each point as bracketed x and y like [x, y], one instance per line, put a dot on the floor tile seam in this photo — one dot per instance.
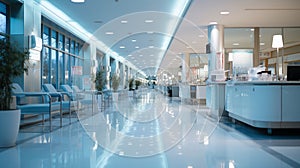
[263, 147]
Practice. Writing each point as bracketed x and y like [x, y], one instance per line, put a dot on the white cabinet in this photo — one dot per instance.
[254, 102]
[291, 103]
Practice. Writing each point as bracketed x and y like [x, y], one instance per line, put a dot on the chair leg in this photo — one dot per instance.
[70, 112]
[61, 113]
[50, 121]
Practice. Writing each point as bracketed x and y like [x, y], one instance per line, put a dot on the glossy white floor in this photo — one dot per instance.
[151, 131]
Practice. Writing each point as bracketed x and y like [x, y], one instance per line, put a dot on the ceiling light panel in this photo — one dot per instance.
[224, 12]
[77, 1]
[109, 33]
[149, 21]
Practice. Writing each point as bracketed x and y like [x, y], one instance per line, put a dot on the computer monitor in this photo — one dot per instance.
[293, 72]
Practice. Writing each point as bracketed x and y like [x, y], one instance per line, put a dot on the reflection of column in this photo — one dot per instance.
[185, 58]
[256, 47]
[216, 41]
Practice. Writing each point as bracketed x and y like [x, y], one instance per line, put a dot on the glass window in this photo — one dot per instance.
[67, 69]
[266, 37]
[76, 49]
[46, 35]
[54, 67]
[3, 19]
[61, 68]
[57, 60]
[45, 59]
[239, 38]
[72, 49]
[54, 38]
[67, 44]
[61, 42]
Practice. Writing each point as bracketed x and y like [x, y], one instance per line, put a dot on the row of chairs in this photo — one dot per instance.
[49, 102]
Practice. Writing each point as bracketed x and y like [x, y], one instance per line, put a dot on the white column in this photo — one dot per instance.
[216, 60]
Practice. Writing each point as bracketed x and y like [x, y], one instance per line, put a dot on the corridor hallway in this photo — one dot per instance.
[151, 130]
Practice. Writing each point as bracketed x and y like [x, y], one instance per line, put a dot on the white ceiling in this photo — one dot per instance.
[99, 17]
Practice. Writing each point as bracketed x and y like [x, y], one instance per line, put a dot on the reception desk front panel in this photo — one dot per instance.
[291, 103]
[261, 103]
[265, 105]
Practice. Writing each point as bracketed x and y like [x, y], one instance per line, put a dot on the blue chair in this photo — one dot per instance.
[40, 108]
[67, 105]
[81, 94]
[75, 95]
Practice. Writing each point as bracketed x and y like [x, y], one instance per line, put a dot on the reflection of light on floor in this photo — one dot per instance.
[206, 140]
[231, 164]
[104, 158]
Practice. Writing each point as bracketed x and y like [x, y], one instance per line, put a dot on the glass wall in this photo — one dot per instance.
[239, 44]
[198, 68]
[62, 60]
[289, 54]
[3, 20]
[242, 39]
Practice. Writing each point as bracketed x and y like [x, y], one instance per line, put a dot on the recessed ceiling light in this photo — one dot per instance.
[77, 1]
[224, 12]
[235, 44]
[122, 47]
[109, 33]
[262, 44]
[149, 21]
[137, 47]
[133, 40]
[124, 21]
[213, 23]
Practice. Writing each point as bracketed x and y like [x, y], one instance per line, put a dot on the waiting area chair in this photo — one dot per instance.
[86, 101]
[74, 94]
[68, 105]
[41, 106]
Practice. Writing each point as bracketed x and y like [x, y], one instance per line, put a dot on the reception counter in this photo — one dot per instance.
[264, 104]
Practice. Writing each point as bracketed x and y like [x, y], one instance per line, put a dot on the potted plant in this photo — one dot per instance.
[137, 84]
[115, 82]
[100, 82]
[131, 87]
[12, 64]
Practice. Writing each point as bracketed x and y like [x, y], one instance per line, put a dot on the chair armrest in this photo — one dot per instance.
[33, 94]
[66, 93]
[55, 94]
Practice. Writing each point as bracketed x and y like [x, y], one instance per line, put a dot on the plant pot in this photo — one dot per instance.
[9, 127]
[130, 93]
[99, 101]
